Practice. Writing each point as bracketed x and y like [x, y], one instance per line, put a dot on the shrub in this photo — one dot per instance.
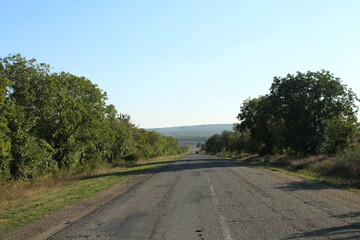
[34, 158]
[132, 157]
[349, 161]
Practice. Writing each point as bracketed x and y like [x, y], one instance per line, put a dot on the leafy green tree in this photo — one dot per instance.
[124, 137]
[244, 143]
[31, 156]
[170, 146]
[312, 105]
[72, 117]
[230, 141]
[5, 141]
[256, 117]
[339, 134]
[214, 144]
[307, 113]
[52, 121]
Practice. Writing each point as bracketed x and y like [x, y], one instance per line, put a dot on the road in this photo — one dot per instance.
[204, 197]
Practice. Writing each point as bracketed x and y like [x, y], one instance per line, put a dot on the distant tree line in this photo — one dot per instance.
[306, 113]
[52, 121]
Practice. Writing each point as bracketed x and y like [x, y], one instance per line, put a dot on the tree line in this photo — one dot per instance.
[304, 114]
[54, 121]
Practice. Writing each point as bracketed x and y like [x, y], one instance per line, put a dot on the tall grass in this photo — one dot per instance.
[346, 164]
[342, 170]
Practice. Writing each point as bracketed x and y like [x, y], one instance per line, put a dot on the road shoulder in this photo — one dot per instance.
[59, 220]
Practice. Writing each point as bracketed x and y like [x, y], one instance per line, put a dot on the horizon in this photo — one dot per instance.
[193, 125]
[185, 63]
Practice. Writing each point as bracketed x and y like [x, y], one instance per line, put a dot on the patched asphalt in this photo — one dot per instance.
[205, 197]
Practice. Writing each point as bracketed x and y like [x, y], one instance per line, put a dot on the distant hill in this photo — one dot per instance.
[193, 134]
[197, 130]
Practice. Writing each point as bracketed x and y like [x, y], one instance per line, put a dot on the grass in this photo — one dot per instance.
[22, 203]
[341, 171]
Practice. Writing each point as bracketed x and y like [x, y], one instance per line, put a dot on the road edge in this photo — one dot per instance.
[59, 220]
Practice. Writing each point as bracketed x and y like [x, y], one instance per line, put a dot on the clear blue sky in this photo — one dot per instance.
[172, 63]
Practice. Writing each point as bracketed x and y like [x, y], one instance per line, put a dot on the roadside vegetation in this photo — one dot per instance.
[306, 124]
[341, 171]
[56, 130]
[58, 122]
[23, 202]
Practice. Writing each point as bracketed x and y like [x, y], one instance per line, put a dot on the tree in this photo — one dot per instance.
[256, 118]
[52, 121]
[312, 105]
[307, 113]
[214, 144]
[230, 141]
[31, 156]
[74, 121]
[5, 141]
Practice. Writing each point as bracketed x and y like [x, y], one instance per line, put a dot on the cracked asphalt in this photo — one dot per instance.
[205, 197]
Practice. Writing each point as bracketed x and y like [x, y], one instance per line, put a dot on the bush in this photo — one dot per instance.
[58, 121]
[349, 161]
[132, 157]
[34, 158]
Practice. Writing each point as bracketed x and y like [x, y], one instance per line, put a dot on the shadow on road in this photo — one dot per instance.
[190, 162]
[338, 233]
[302, 185]
[199, 161]
[348, 215]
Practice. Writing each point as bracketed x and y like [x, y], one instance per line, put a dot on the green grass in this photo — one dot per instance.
[22, 203]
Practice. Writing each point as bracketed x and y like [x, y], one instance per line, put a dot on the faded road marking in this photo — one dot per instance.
[222, 219]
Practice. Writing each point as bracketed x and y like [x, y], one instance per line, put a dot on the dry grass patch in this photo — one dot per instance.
[24, 202]
[342, 171]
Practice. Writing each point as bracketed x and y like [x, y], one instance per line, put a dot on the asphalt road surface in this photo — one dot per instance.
[204, 197]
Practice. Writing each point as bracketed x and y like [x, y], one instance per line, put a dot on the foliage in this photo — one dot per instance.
[259, 125]
[227, 141]
[311, 105]
[5, 141]
[348, 163]
[132, 157]
[306, 113]
[214, 144]
[51, 121]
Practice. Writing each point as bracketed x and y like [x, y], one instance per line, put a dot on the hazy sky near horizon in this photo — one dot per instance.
[172, 63]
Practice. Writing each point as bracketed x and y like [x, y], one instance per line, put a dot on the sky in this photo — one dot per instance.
[180, 62]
